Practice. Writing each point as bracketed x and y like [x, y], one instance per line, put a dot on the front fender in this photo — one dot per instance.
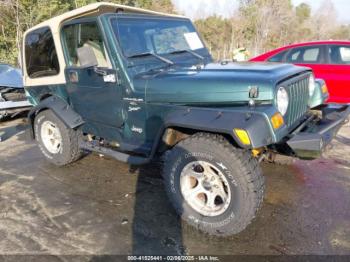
[318, 97]
[224, 121]
[62, 110]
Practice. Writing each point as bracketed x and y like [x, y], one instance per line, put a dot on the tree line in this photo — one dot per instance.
[257, 25]
[262, 25]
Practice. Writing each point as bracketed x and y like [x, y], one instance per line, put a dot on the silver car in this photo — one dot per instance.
[12, 96]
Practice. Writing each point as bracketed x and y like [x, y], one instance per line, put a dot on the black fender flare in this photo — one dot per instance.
[60, 108]
[221, 121]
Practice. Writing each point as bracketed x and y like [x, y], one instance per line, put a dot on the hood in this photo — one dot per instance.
[217, 83]
[10, 77]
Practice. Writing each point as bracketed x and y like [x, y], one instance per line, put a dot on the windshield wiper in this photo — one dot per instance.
[169, 62]
[188, 51]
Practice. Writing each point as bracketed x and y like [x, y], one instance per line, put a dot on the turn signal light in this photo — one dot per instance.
[243, 136]
[324, 89]
[277, 120]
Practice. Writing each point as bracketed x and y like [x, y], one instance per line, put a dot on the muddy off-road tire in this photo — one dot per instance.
[58, 143]
[213, 186]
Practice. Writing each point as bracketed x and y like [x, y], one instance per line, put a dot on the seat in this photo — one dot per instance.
[99, 53]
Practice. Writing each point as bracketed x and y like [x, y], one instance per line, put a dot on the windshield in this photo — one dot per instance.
[139, 35]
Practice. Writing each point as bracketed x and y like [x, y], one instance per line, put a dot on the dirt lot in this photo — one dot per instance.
[102, 206]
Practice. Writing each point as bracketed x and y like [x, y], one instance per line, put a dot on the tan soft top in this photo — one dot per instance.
[55, 25]
[93, 10]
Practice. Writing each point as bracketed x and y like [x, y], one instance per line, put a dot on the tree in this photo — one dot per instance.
[340, 33]
[17, 16]
[266, 23]
[325, 20]
[258, 25]
[303, 12]
[218, 41]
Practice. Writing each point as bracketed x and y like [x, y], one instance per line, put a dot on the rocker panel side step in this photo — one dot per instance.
[123, 157]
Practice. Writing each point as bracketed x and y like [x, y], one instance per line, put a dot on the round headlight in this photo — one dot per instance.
[282, 100]
[312, 85]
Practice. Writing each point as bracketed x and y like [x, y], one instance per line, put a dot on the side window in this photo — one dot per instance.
[40, 54]
[339, 54]
[311, 55]
[305, 55]
[85, 34]
[278, 57]
[294, 57]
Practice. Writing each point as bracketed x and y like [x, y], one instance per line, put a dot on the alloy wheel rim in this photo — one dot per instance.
[51, 137]
[205, 188]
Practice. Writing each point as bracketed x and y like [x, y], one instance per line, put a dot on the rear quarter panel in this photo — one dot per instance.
[337, 78]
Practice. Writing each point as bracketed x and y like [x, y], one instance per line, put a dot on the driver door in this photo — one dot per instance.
[94, 92]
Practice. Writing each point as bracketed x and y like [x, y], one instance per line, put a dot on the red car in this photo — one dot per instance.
[330, 60]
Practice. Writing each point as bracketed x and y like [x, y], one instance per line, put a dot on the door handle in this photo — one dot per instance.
[109, 76]
[100, 71]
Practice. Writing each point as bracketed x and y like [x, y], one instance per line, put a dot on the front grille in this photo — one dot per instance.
[298, 91]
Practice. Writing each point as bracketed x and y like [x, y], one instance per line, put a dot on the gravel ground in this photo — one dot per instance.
[101, 206]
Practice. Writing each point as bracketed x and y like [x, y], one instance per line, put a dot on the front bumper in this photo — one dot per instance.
[312, 138]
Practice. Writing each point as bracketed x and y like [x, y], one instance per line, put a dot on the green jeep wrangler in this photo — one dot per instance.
[134, 84]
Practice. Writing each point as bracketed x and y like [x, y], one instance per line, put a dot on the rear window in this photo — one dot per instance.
[40, 54]
[305, 55]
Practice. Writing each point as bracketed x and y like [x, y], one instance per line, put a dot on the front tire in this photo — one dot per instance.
[58, 143]
[213, 186]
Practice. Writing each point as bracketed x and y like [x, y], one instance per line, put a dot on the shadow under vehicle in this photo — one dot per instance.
[135, 84]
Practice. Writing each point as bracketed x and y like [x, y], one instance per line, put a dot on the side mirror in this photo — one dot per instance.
[86, 57]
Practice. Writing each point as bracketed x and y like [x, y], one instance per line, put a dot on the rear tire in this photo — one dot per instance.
[58, 143]
[226, 185]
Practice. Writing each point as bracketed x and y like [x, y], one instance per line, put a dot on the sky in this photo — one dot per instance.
[204, 8]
